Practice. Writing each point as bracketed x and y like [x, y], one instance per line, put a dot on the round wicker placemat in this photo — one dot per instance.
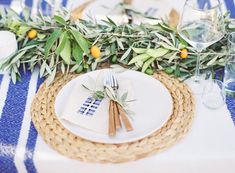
[70, 145]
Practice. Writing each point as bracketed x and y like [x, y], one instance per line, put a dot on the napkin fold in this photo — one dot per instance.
[89, 113]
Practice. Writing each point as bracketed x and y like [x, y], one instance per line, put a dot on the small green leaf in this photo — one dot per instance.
[59, 20]
[100, 94]
[139, 50]
[17, 57]
[79, 69]
[74, 68]
[149, 71]
[42, 69]
[147, 64]
[51, 40]
[141, 57]
[183, 43]
[169, 70]
[120, 45]
[63, 39]
[212, 61]
[177, 71]
[81, 41]
[173, 38]
[167, 46]
[163, 38]
[111, 21]
[41, 36]
[66, 52]
[77, 53]
[13, 76]
[172, 57]
[51, 77]
[157, 52]
[125, 55]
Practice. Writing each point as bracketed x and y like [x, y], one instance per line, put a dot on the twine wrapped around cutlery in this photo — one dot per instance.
[70, 145]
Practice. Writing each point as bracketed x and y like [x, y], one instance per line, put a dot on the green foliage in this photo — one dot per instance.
[63, 45]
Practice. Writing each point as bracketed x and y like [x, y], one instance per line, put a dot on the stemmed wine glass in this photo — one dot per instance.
[201, 27]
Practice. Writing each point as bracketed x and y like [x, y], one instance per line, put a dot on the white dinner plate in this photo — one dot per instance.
[153, 107]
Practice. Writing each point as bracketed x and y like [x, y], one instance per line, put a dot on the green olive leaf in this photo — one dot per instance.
[81, 41]
[66, 52]
[157, 52]
[141, 57]
[125, 55]
[147, 64]
[59, 20]
[51, 40]
[63, 39]
[77, 53]
[139, 50]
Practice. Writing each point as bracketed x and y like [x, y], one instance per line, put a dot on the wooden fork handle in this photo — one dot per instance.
[124, 118]
[111, 128]
[116, 116]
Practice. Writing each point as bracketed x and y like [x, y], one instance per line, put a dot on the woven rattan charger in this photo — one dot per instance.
[70, 145]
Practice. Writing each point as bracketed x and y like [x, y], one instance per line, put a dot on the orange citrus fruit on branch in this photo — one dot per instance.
[95, 52]
[32, 34]
[184, 53]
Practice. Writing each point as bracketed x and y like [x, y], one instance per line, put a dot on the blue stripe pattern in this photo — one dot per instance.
[31, 142]
[5, 2]
[29, 3]
[230, 5]
[1, 76]
[89, 106]
[64, 3]
[202, 3]
[11, 121]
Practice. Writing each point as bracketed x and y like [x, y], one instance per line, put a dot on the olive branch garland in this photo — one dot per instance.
[60, 44]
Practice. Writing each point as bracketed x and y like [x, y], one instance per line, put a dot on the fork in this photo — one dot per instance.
[119, 108]
[115, 86]
[114, 120]
[116, 108]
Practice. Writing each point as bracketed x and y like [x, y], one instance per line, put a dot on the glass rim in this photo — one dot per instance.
[232, 34]
[214, 7]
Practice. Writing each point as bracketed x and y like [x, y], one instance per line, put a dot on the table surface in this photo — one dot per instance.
[209, 146]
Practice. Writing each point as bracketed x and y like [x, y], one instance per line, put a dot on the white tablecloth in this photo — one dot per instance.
[209, 147]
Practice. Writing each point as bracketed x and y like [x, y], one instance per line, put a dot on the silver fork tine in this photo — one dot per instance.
[107, 79]
[110, 78]
[114, 79]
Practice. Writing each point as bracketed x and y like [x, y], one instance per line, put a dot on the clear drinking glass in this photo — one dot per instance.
[213, 94]
[201, 27]
[229, 71]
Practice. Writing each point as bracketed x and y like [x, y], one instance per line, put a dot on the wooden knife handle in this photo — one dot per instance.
[112, 128]
[124, 118]
[116, 116]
